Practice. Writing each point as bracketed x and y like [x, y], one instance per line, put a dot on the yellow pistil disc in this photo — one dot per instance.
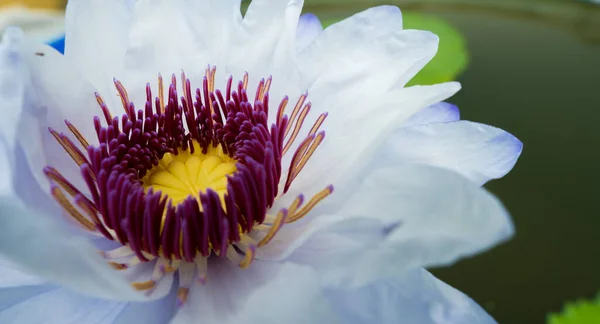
[185, 174]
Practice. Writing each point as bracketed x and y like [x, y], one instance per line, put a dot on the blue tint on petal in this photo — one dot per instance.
[310, 18]
[58, 44]
[309, 28]
[441, 112]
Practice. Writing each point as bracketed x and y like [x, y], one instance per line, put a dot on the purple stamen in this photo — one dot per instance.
[131, 146]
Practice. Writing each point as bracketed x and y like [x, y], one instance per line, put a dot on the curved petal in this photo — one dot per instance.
[263, 293]
[159, 311]
[369, 24]
[354, 133]
[338, 234]
[428, 216]
[12, 90]
[153, 48]
[479, 152]
[266, 37]
[309, 28]
[15, 174]
[20, 293]
[270, 46]
[202, 17]
[12, 82]
[416, 297]
[17, 286]
[366, 68]
[441, 112]
[60, 305]
[12, 296]
[96, 40]
[293, 297]
[37, 244]
[443, 217]
[347, 48]
[12, 276]
[39, 102]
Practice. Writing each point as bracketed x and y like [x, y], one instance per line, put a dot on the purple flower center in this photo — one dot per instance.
[189, 176]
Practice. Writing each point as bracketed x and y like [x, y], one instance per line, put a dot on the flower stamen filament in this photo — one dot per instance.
[188, 177]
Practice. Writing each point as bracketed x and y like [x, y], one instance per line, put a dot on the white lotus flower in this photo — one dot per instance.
[214, 207]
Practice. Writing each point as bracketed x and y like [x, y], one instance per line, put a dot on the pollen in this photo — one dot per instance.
[190, 173]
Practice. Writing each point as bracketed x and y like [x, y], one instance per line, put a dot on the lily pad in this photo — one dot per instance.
[578, 312]
[452, 57]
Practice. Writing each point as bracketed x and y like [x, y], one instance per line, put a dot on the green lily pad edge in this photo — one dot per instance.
[452, 57]
[577, 312]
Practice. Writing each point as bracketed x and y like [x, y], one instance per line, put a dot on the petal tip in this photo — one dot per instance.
[452, 110]
[310, 17]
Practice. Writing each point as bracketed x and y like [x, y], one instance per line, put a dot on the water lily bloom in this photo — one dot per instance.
[182, 163]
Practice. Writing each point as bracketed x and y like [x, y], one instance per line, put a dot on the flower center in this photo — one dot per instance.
[189, 174]
[189, 177]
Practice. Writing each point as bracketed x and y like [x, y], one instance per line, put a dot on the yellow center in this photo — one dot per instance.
[183, 175]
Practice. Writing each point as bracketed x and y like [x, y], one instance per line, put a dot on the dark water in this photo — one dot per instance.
[538, 78]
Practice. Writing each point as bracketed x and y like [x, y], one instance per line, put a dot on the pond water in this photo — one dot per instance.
[536, 74]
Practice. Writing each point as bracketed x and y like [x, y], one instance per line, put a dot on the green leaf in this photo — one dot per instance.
[452, 56]
[577, 312]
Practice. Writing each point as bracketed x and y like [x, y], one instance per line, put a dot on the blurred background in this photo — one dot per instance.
[531, 67]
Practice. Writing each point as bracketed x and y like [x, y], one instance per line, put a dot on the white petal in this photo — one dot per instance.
[210, 32]
[37, 244]
[443, 217]
[294, 297]
[11, 275]
[26, 146]
[12, 82]
[441, 112]
[428, 217]
[369, 24]
[96, 40]
[355, 133]
[327, 235]
[477, 151]
[367, 69]
[61, 306]
[154, 312]
[416, 297]
[309, 28]
[34, 242]
[263, 15]
[12, 90]
[203, 17]
[271, 29]
[348, 45]
[263, 293]
[160, 40]
[260, 13]
[46, 102]
[11, 296]
[6, 183]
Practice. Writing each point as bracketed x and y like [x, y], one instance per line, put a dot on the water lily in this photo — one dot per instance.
[182, 163]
